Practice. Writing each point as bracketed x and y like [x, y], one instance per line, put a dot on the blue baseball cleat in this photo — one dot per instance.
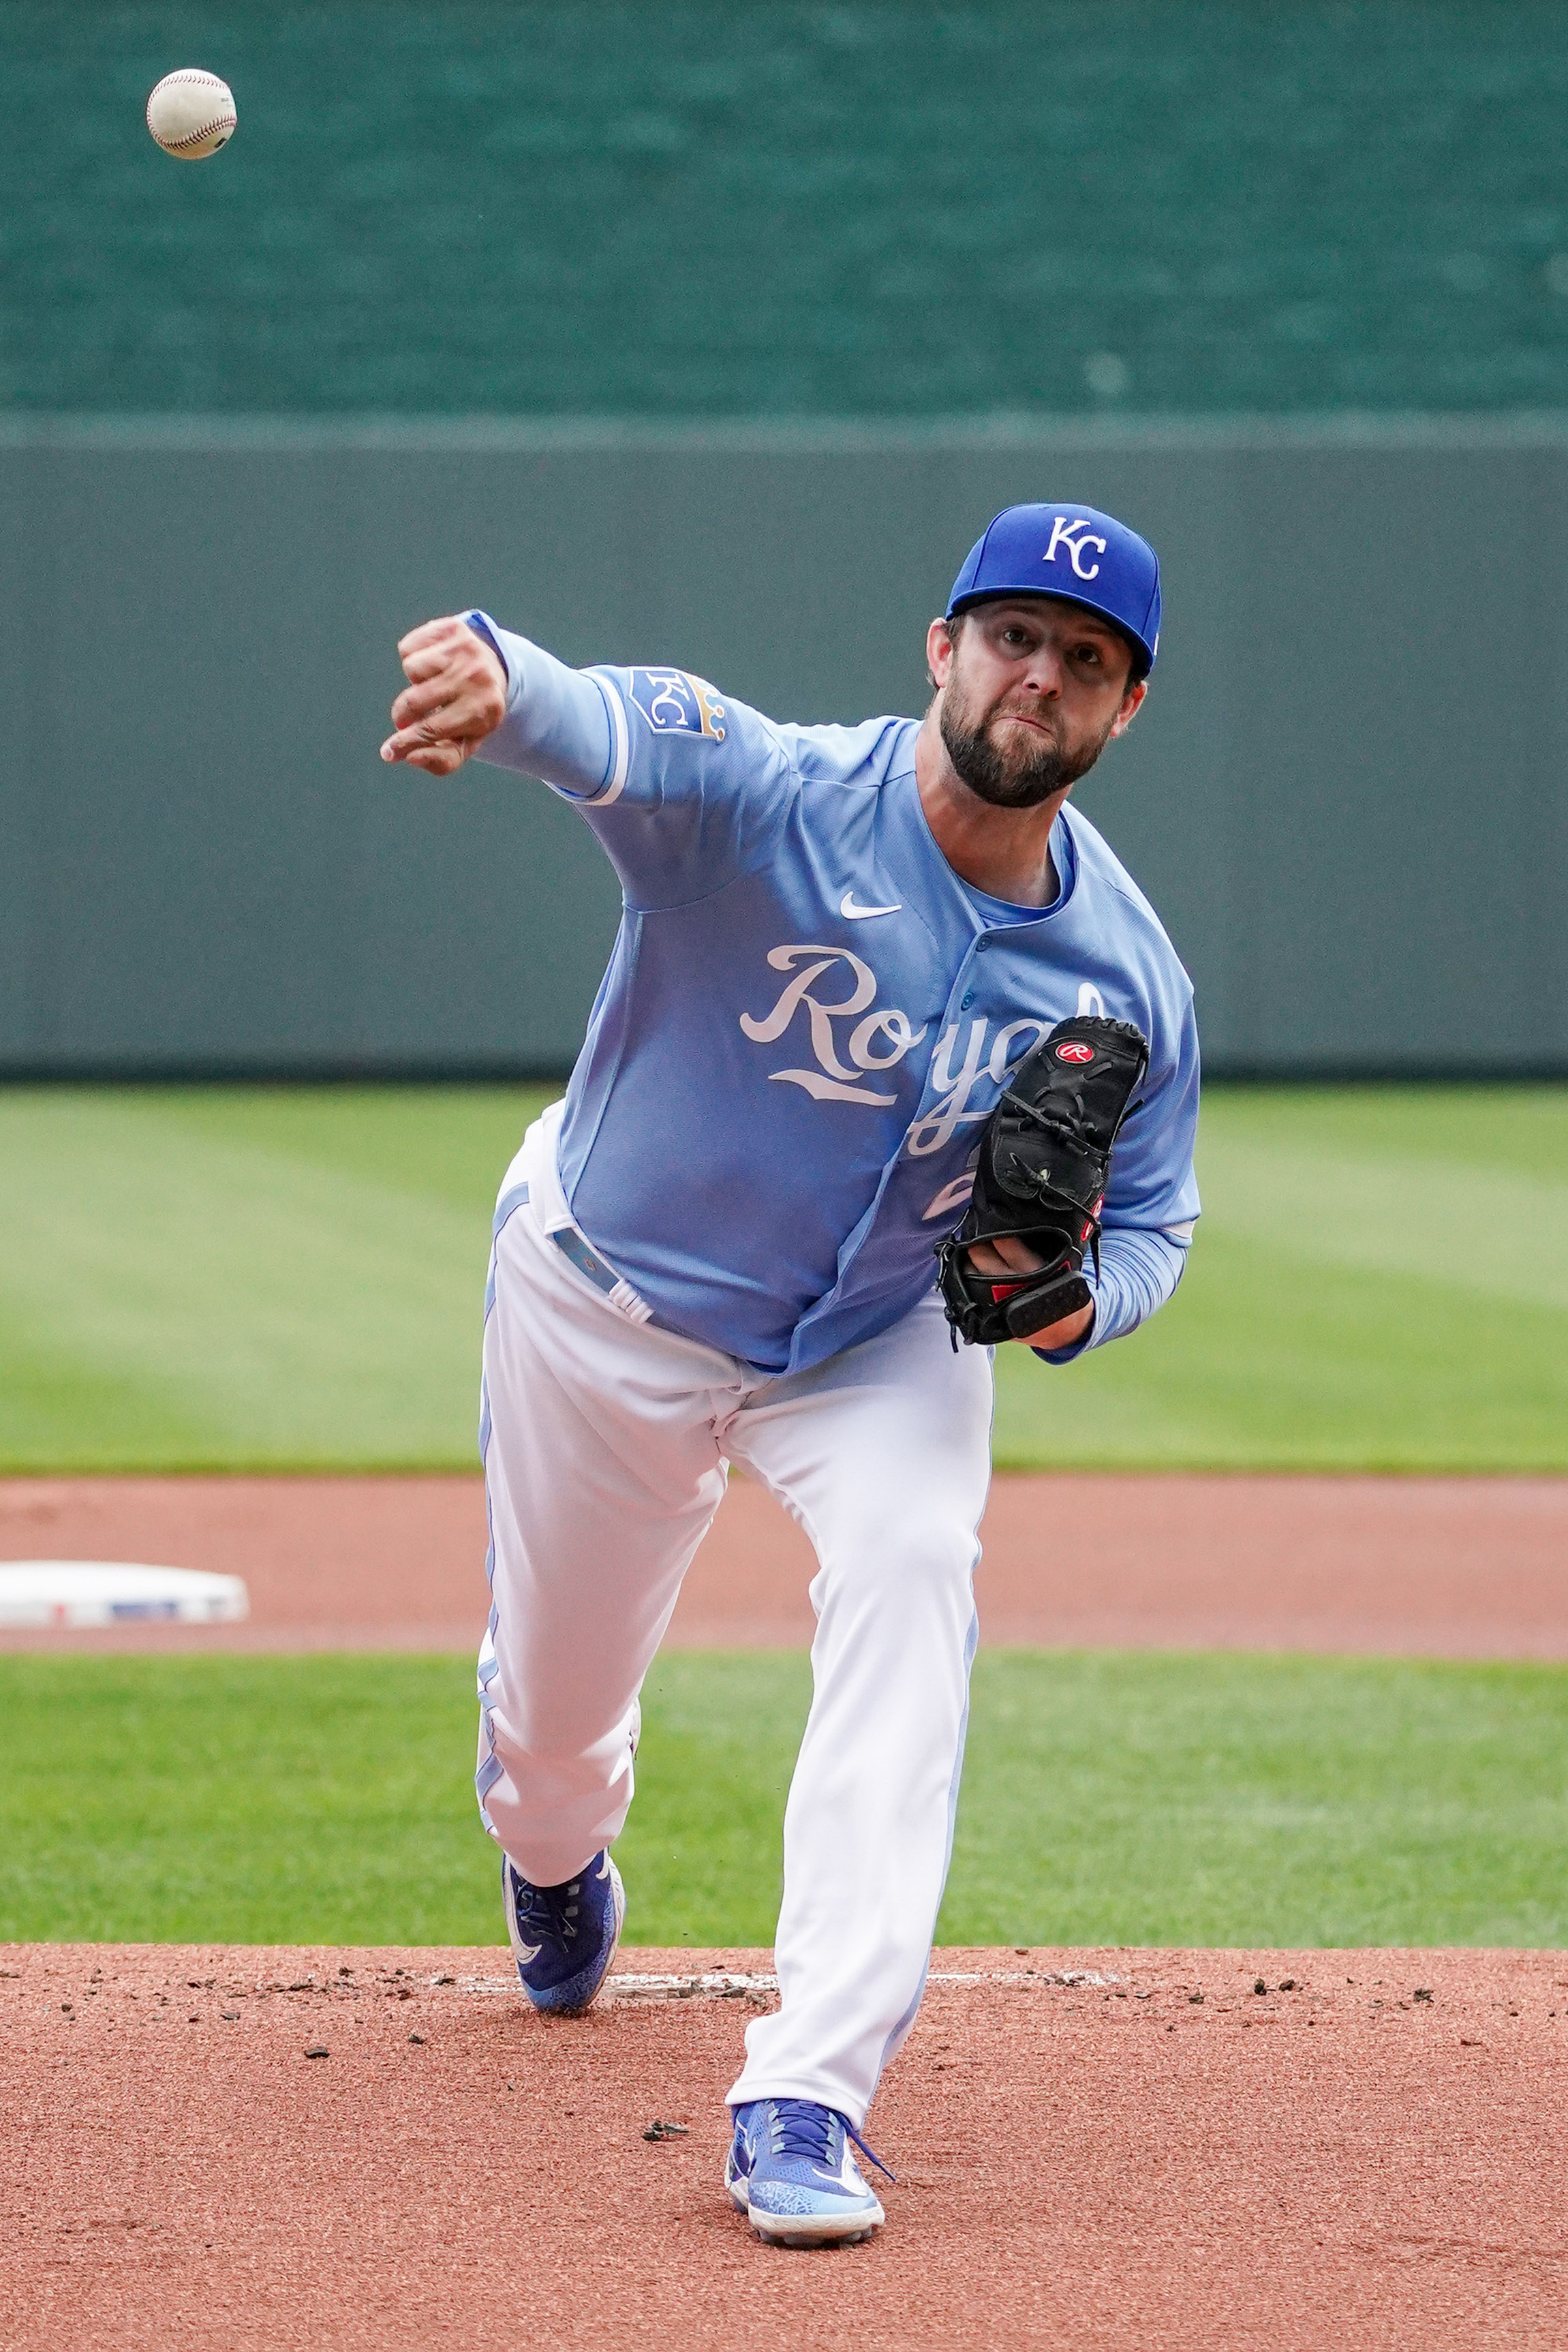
[791, 2170]
[563, 1938]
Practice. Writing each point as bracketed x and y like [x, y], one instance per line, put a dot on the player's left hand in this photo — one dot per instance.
[456, 696]
[1007, 1254]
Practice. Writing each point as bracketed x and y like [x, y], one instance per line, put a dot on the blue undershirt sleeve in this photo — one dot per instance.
[558, 725]
[1139, 1269]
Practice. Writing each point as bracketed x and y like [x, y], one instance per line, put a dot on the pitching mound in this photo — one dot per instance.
[1106, 2149]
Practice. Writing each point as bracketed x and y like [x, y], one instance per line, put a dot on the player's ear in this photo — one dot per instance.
[940, 639]
[1132, 703]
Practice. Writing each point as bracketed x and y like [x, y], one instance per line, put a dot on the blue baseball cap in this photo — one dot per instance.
[1076, 553]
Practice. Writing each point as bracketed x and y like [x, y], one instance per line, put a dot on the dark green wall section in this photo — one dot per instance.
[1345, 795]
[614, 207]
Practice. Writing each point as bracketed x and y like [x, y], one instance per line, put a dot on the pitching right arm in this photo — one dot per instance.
[467, 687]
[685, 788]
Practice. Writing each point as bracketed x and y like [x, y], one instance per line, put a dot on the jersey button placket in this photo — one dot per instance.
[969, 996]
[981, 944]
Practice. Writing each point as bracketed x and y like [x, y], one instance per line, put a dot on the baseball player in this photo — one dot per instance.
[839, 945]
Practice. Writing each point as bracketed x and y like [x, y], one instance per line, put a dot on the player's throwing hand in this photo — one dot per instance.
[456, 696]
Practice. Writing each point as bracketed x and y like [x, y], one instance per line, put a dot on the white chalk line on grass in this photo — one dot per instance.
[723, 1985]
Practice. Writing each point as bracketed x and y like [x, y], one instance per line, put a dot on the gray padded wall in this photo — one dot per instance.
[1344, 796]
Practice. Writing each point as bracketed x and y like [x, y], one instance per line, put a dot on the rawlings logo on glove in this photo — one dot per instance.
[1045, 1156]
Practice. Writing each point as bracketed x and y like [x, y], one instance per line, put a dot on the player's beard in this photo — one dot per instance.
[1022, 781]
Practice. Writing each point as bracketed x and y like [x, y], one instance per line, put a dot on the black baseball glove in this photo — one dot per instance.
[1045, 1156]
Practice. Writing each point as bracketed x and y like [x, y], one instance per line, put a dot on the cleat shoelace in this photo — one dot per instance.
[804, 2129]
[547, 1911]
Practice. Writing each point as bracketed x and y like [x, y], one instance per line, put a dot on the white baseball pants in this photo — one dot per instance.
[606, 1443]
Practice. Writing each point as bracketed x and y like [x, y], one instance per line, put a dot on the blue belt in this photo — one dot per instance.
[571, 1244]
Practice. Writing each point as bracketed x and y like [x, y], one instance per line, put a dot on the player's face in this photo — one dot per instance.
[1033, 690]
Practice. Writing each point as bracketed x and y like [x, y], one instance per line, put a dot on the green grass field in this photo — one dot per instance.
[1108, 1799]
[289, 1278]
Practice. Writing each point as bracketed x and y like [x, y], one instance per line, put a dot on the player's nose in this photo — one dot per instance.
[1043, 673]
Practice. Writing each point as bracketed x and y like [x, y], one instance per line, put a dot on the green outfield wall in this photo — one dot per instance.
[790, 208]
[1345, 795]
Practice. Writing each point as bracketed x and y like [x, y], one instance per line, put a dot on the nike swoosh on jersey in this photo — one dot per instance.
[863, 914]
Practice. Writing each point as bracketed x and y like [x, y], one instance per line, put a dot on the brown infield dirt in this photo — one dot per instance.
[1411, 1567]
[1087, 2153]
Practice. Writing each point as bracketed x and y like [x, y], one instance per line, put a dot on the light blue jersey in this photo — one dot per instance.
[807, 1016]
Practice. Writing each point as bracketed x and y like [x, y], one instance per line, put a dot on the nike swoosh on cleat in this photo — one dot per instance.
[526, 1952]
[863, 914]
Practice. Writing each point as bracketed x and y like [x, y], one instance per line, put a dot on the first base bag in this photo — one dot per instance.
[1045, 1156]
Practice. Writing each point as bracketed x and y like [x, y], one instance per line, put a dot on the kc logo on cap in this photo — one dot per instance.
[1061, 529]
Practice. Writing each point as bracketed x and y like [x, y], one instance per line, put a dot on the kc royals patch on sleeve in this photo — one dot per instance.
[673, 702]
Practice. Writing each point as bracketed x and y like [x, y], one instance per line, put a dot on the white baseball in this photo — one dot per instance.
[192, 114]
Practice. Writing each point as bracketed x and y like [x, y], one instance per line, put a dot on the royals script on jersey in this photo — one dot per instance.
[807, 1015]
